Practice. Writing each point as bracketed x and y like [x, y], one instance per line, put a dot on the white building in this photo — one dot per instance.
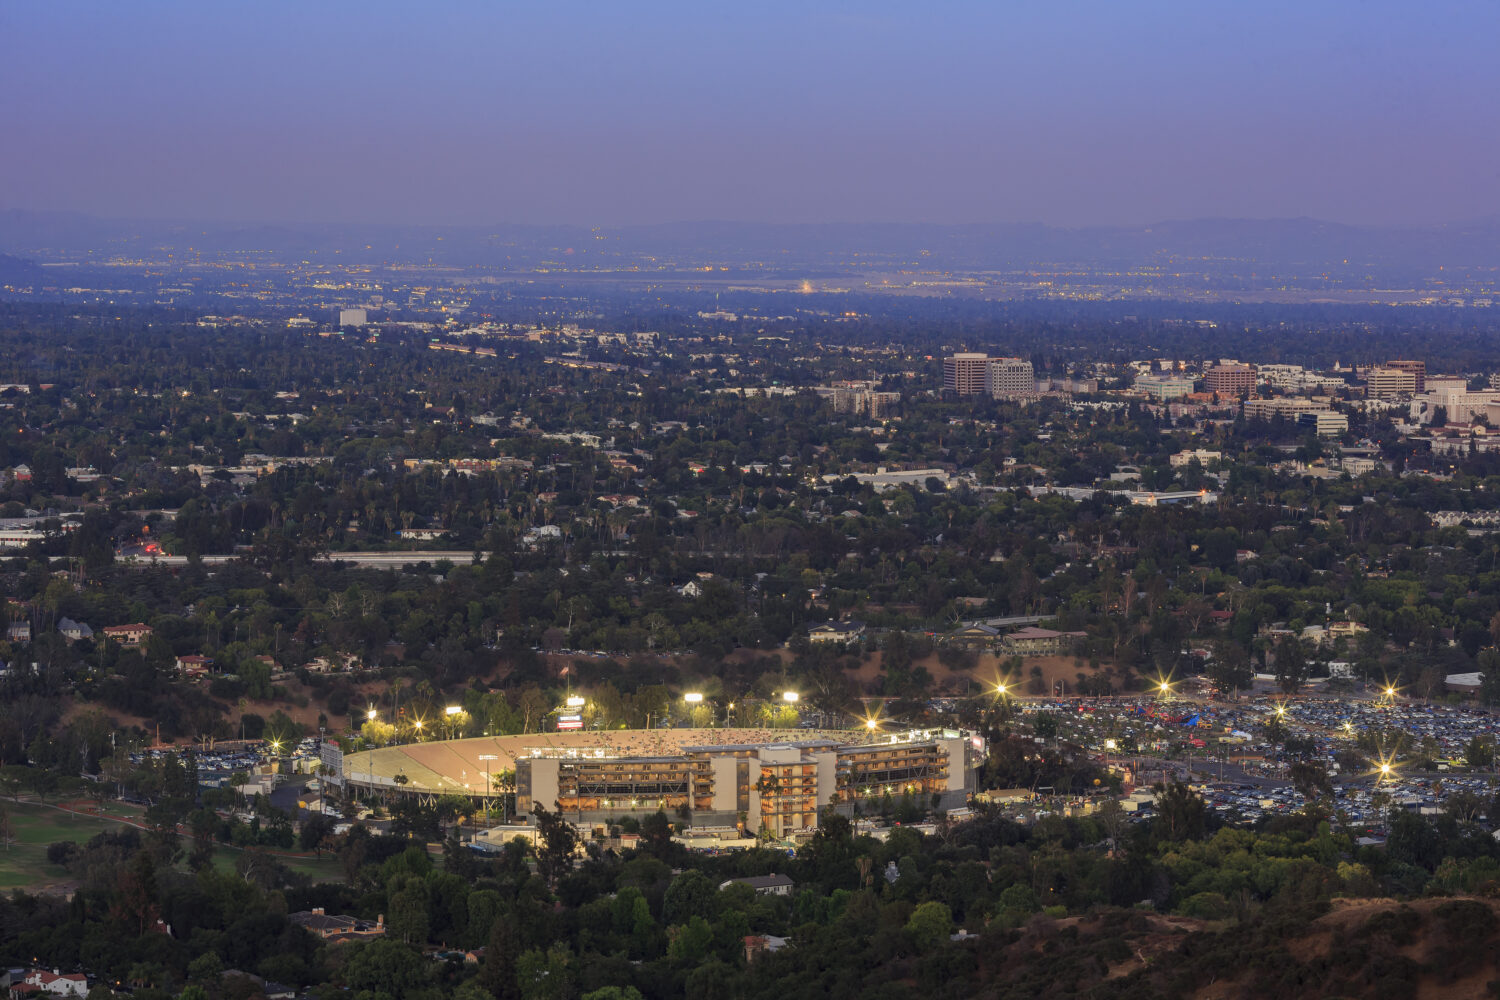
[353, 317]
[1009, 378]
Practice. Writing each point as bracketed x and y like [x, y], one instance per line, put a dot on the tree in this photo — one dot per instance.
[1310, 780]
[1480, 752]
[316, 829]
[501, 954]
[385, 968]
[1291, 664]
[930, 925]
[1229, 668]
[690, 894]
[557, 843]
[1180, 812]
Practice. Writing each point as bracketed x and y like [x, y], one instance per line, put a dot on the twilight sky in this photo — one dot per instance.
[1069, 113]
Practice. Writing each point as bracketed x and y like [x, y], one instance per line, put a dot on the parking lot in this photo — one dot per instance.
[1239, 755]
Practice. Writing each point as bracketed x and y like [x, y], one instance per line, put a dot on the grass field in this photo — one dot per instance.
[24, 865]
[325, 869]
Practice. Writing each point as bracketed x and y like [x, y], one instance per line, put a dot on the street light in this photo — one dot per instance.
[371, 715]
[487, 757]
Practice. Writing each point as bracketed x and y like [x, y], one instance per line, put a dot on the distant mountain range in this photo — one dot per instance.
[1290, 243]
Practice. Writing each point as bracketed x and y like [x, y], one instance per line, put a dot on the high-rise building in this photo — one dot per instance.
[1417, 368]
[1388, 382]
[1230, 380]
[1009, 378]
[964, 373]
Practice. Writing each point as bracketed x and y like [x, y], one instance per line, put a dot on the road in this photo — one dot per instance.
[377, 559]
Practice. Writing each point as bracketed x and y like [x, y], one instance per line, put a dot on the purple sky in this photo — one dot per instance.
[609, 113]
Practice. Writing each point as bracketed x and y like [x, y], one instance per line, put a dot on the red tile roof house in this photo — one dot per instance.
[193, 666]
[73, 984]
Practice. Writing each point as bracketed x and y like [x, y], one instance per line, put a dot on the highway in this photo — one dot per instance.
[375, 559]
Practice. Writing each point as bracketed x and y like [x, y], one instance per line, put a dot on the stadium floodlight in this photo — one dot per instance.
[575, 701]
[693, 698]
[790, 697]
[452, 710]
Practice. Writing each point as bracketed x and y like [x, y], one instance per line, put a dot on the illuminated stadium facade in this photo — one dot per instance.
[758, 780]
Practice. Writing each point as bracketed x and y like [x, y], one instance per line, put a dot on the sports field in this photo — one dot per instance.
[458, 767]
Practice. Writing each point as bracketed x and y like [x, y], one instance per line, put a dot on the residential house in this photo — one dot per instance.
[334, 927]
[836, 632]
[70, 984]
[73, 631]
[764, 885]
[193, 666]
[977, 635]
[130, 636]
[1033, 641]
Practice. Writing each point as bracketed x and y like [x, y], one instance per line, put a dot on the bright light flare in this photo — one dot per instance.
[790, 697]
[371, 715]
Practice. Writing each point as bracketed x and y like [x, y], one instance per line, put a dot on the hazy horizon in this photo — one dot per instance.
[1091, 115]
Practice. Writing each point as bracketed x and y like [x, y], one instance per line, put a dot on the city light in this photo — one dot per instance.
[693, 698]
[872, 724]
[371, 714]
[790, 697]
[574, 701]
[452, 710]
[1001, 689]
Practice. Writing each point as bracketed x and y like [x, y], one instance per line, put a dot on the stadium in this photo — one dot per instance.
[770, 780]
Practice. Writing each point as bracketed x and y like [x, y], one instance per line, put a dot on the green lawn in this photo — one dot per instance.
[24, 865]
[324, 869]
